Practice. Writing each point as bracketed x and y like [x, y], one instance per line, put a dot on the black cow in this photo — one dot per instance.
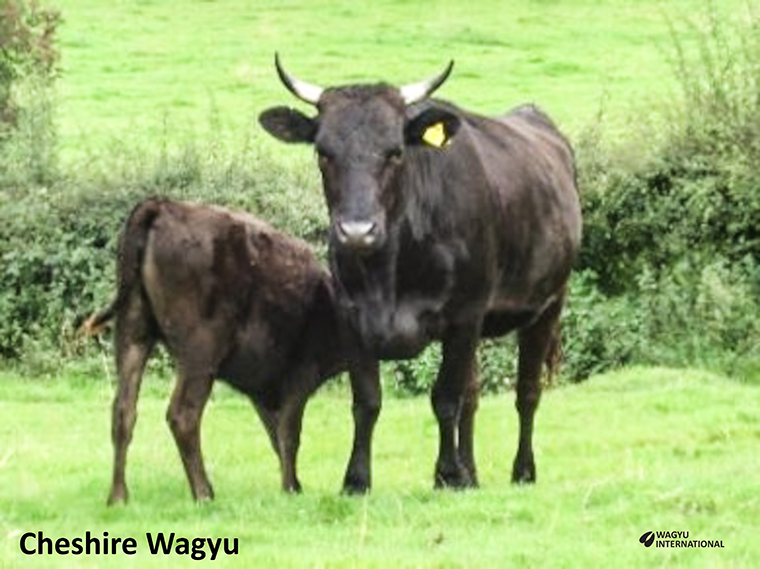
[445, 225]
[232, 298]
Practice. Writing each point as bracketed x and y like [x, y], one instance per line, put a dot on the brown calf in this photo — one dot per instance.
[230, 298]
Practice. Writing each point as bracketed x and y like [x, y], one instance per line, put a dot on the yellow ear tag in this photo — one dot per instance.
[435, 135]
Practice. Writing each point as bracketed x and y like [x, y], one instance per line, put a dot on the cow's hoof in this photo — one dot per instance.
[472, 475]
[456, 478]
[524, 473]
[293, 488]
[355, 485]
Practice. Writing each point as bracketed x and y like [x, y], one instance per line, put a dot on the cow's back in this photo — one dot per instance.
[534, 207]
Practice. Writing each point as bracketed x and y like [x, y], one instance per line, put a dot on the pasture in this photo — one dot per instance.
[625, 453]
[642, 449]
[151, 72]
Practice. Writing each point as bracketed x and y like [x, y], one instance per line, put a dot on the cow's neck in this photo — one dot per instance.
[394, 298]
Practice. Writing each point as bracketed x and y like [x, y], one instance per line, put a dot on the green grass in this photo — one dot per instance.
[139, 70]
[639, 450]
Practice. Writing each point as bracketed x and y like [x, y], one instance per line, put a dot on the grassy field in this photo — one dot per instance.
[134, 71]
[621, 454]
[635, 451]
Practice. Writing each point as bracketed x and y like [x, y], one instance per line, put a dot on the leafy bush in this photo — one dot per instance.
[58, 242]
[669, 263]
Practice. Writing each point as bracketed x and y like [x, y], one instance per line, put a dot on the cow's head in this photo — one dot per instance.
[361, 133]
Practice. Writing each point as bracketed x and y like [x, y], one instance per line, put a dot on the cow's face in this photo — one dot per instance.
[361, 135]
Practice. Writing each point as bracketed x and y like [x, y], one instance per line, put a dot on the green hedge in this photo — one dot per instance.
[669, 271]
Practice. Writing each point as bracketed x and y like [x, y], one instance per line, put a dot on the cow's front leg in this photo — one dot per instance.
[466, 434]
[367, 397]
[455, 373]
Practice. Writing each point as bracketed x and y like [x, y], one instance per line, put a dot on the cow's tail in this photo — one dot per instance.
[553, 357]
[132, 243]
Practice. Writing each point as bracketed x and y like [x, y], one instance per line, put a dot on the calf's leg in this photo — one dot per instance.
[269, 418]
[289, 439]
[134, 343]
[184, 417]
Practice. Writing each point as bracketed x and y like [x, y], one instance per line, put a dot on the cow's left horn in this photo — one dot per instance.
[304, 91]
[418, 91]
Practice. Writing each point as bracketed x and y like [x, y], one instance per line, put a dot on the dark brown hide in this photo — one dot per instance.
[230, 298]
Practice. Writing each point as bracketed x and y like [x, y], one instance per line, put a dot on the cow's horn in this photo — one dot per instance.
[304, 91]
[418, 91]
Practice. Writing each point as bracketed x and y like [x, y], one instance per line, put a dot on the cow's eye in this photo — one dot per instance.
[394, 154]
[324, 156]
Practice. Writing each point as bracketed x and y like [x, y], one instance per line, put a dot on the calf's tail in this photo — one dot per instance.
[132, 243]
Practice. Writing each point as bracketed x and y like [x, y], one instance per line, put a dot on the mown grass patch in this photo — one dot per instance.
[634, 451]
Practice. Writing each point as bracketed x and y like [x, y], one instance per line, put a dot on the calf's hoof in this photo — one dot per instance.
[205, 494]
[118, 497]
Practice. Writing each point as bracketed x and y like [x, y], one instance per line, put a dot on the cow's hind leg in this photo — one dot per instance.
[135, 340]
[447, 398]
[535, 341]
[184, 417]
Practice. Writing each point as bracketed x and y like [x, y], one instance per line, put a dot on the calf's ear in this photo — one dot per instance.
[432, 127]
[289, 125]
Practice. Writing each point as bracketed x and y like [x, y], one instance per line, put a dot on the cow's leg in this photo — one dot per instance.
[467, 422]
[534, 343]
[184, 417]
[134, 343]
[455, 372]
[367, 398]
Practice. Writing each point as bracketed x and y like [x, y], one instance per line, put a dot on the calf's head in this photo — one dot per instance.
[361, 134]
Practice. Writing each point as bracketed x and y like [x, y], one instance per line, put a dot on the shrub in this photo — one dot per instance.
[672, 242]
[58, 242]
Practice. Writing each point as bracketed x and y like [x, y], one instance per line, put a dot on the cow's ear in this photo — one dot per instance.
[289, 125]
[432, 127]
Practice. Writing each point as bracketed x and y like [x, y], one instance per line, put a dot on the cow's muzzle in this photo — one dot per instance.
[359, 234]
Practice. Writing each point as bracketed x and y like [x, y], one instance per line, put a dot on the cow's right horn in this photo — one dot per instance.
[418, 91]
[304, 91]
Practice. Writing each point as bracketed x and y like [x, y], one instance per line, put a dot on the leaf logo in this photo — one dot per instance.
[647, 539]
